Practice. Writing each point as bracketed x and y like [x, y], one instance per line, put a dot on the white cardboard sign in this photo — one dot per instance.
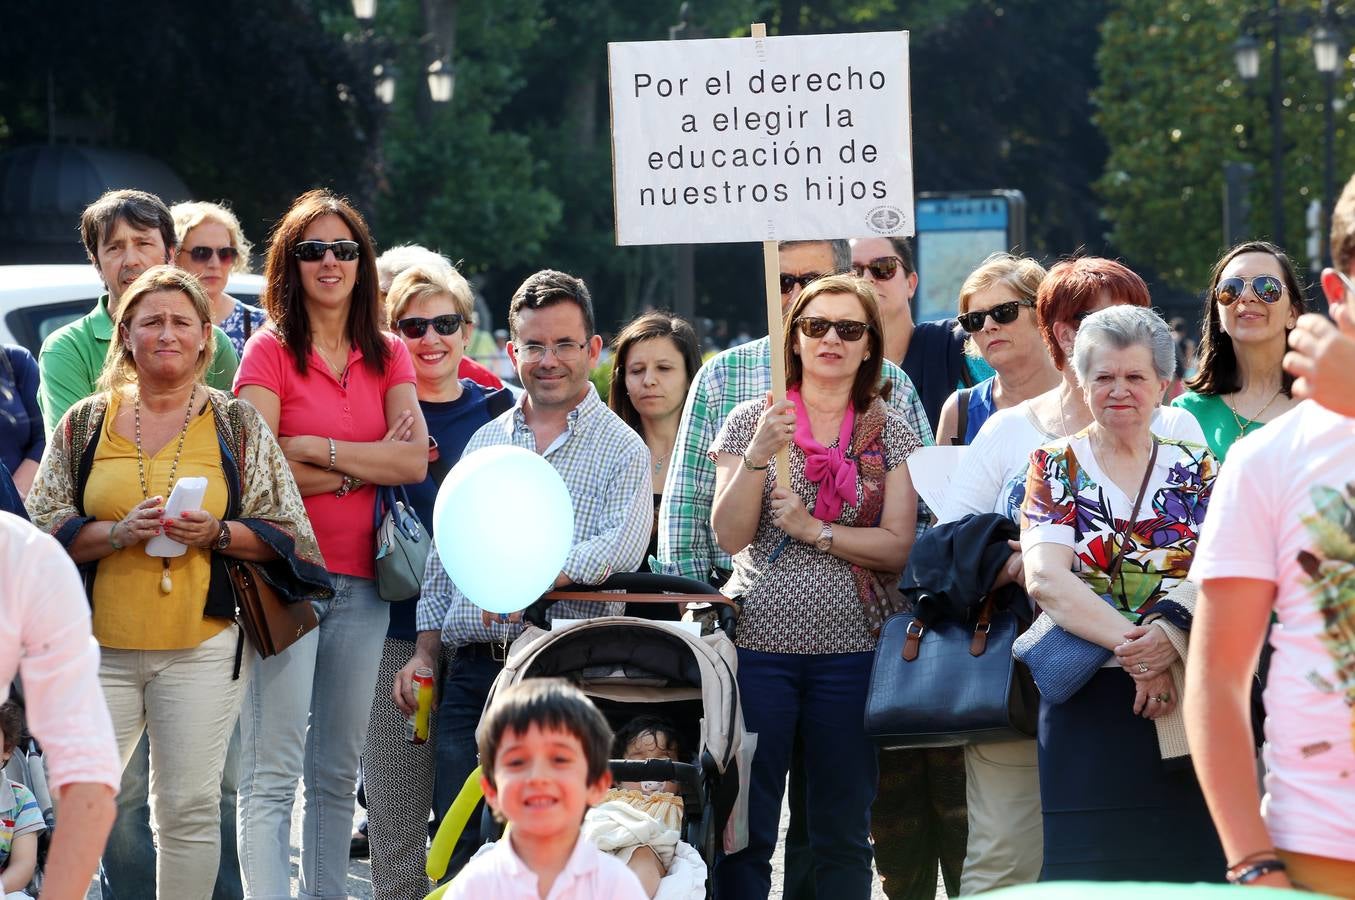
[759, 139]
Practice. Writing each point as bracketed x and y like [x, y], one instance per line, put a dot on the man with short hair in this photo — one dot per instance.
[606, 468]
[930, 353]
[125, 233]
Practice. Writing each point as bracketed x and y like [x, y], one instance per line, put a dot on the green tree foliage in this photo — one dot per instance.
[1173, 111]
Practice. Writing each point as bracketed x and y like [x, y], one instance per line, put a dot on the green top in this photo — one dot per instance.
[1216, 420]
[72, 358]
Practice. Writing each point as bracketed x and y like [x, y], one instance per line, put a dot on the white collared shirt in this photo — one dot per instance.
[498, 873]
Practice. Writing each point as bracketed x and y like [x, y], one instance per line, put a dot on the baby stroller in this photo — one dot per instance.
[630, 666]
[27, 767]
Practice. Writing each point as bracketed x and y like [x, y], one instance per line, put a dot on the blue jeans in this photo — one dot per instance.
[464, 691]
[824, 697]
[305, 717]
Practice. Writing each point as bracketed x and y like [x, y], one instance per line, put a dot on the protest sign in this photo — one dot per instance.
[761, 139]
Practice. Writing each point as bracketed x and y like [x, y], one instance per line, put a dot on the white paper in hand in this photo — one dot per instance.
[931, 469]
[187, 496]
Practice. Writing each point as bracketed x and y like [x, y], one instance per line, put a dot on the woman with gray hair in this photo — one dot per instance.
[1108, 528]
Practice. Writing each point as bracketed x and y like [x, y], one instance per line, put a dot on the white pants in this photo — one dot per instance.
[187, 703]
[1006, 827]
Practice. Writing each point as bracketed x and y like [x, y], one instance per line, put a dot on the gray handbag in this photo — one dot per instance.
[401, 546]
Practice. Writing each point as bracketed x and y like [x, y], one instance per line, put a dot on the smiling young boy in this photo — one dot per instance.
[544, 749]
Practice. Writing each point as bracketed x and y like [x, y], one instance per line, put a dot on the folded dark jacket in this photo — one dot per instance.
[952, 566]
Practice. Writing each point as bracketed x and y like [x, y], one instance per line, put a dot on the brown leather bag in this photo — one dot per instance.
[271, 624]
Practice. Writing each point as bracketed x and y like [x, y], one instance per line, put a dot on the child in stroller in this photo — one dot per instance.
[21, 819]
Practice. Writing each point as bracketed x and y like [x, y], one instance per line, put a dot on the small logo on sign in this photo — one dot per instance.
[885, 219]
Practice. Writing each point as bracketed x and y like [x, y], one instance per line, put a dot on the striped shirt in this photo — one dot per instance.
[686, 542]
[606, 468]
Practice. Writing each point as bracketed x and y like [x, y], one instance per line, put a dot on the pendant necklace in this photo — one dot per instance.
[1243, 423]
[166, 583]
[658, 463]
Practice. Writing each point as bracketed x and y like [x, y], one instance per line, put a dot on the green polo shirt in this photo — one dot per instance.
[72, 358]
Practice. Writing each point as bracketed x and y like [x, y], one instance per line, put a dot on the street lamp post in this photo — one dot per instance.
[1326, 53]
[684, 255]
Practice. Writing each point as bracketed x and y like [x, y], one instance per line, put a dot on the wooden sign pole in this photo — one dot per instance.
[771, 272]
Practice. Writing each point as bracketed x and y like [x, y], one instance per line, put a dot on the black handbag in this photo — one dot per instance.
[949, 684]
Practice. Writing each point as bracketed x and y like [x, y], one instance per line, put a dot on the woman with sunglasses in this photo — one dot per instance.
[997, 310]
[339, 393]
[211, 246]
[815, 565]
[1254, 300]
[430, 309]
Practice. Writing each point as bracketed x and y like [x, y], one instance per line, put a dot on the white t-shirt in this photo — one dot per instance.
[992, 477]
[1283, 511]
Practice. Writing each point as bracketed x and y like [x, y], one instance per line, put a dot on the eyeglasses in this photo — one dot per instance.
[847, 329]
[1345, 279]
[788, 282]
[882, 268]
[416, 326]
[1267, 289]
[1003, 314]
[227, 255]
[314, 251]
[565, 351]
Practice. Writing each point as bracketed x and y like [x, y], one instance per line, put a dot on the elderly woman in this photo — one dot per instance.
[815, 586]
[1109, 525]
[1253, 302]
[997, 309]
[338, 389]
[171, 662]
[212, 245]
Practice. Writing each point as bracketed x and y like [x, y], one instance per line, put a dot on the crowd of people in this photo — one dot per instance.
[1159, 536]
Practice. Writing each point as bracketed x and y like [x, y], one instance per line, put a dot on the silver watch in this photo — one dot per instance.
[825, 540]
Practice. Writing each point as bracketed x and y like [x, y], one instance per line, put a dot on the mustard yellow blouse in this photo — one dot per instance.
[130, 613]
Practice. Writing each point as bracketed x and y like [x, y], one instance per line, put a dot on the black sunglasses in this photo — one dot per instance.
[788, 282]
[847, 329]
[882, 268]
[1267, 288]
[314, 251]
[416, 326]
[1003, 314]
[227, 255]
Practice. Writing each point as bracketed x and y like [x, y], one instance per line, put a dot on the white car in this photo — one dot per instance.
[37, 300]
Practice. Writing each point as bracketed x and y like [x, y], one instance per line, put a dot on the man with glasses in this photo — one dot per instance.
[606, 467]
[125, 233]
[931, 353]
[687, 544]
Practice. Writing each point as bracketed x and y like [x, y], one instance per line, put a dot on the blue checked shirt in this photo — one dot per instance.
[606, 467]
[686, 542]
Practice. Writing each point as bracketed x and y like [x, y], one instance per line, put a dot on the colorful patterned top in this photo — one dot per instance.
[1162, 539]
[19, 815]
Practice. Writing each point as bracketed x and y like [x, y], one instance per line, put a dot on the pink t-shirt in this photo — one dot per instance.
[1283, 511]
[497, 873]
[351, 410]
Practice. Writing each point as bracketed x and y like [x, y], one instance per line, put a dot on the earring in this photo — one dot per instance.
[866, 357]
[201, 347]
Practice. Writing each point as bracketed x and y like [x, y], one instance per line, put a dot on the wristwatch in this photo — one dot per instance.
[223, 540]
[752, 468]
[825, 540]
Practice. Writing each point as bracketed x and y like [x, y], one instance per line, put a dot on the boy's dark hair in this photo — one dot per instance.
[548, 703]
[11, 723]
[137, 208]
[547, 288]
[655, 725]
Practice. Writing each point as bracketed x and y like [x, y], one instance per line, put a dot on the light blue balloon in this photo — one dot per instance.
[503, 523]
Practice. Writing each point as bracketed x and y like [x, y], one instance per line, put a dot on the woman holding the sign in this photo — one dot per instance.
[814, 565]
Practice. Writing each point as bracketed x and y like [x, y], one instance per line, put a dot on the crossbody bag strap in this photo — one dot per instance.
[1133, 517]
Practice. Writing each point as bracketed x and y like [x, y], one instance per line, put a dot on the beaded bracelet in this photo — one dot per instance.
[333, 455]
[1252, 871]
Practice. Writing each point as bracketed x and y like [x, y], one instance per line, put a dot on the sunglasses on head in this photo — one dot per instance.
[882, 268]
[1003, 314]
[1267, 289]
[416, 326]
[788, 282]
[847, 329]
[314, 251]
[227, 255]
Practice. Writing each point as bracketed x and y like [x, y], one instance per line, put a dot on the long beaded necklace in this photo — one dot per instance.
[1243, 423]
[166, 583]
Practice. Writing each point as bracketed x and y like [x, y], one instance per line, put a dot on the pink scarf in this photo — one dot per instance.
[828, 467]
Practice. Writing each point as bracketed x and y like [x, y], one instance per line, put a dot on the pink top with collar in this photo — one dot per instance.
[498, 873]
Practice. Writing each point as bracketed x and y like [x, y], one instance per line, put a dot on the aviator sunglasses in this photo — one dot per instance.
[227, 255]
[882, 268]
[848, 330]
[1267, 288]
[1003, 314]
[788, 282]
[314, 251]
[416, 326]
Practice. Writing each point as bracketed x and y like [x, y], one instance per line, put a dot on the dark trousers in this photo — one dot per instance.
[798, 863]
[920, 820]
[464, 690]
[822, 697]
